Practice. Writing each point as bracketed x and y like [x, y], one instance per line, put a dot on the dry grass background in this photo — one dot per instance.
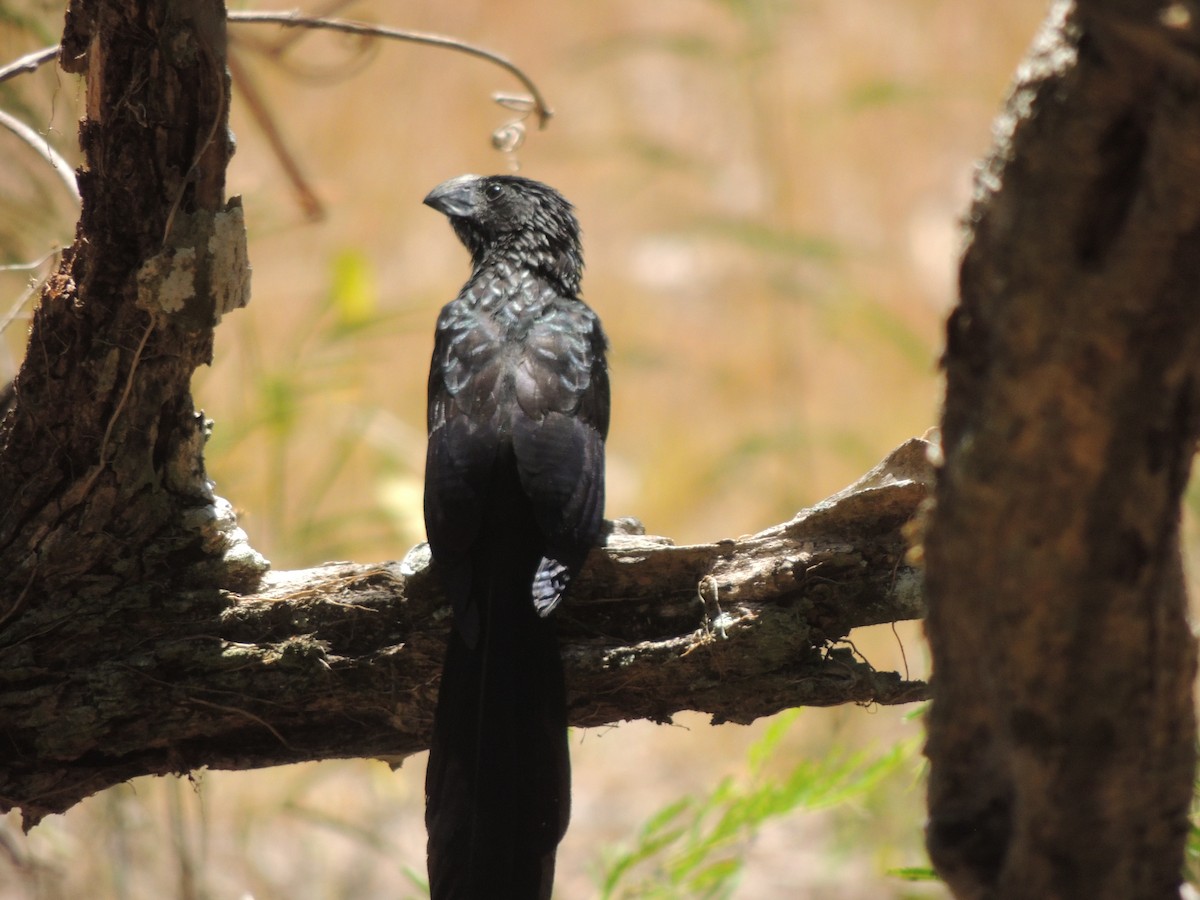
[770, 194]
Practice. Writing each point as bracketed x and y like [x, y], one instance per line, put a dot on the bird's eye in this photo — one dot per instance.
[493, 191]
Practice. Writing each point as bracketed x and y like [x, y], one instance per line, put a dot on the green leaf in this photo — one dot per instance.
[694, 847]
[915, 873]
[352, 292]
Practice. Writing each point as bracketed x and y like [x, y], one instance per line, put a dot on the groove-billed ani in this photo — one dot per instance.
[514, 497]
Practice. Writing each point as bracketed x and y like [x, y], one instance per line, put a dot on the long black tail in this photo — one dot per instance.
[498, 788]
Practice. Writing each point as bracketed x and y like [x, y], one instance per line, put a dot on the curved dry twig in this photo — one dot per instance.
[294, 20]
[260, 112]
[34, 285]
[40, 146]
[30, 62]
[506, 138]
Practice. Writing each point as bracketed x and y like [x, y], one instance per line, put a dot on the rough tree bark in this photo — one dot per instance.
[343, 660]
[1061, 734]
[139, 632]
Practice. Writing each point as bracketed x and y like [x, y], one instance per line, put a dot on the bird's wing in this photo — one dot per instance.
[461, 454]
[561, 387]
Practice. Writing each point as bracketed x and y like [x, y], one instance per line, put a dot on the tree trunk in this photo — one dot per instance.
[101, 456]
[139, 632]
[1061, 735]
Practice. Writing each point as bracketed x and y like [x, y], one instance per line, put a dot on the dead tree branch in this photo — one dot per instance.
[342, 660]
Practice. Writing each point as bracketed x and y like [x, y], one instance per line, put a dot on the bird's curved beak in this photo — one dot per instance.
[455, 197]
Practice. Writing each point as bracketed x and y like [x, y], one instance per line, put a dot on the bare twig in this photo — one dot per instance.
[30, 62]
[280, 45]
[9, 317]
[294, 20]
[30, 266]
[314, 210]
[506, 138]
[277, 51]
[42, 147]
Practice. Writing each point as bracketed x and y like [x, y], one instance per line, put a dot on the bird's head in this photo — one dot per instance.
[506, 218]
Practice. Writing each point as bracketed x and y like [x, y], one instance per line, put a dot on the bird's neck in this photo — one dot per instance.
[561, 265]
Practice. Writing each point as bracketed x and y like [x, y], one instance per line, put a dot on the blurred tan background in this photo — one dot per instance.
[770, 194]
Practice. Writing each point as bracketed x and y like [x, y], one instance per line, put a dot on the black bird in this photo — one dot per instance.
[514, 499]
